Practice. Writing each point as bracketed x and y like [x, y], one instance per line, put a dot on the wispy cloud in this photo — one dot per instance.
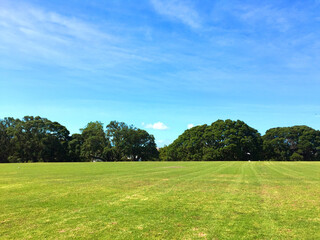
[156, 126]
[273, 17]
[178, 10]
[35, 34]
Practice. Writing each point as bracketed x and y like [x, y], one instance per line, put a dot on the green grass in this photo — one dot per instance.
[154, 200]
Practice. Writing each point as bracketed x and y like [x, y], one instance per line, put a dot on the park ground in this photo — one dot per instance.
[160, 200]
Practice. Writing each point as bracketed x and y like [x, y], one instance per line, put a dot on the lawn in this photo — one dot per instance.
[160, 200]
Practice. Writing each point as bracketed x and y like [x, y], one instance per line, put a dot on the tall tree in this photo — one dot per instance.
[130, 143]
[95, 143]
[292, 143]
[117, 133]
[74, 148]
[140, 145]
[233, 141]
[188, 146]
[5, 139]
[221, 141]
[37, 139]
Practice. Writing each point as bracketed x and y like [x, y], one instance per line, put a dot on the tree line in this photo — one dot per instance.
[236, 141]
[36, 139]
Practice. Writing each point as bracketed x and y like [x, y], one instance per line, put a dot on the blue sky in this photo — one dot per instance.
[161, 65]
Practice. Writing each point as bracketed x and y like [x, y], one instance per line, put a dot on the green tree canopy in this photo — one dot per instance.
[74, 148]
[35, 139]
[95, 144]
[292, 144]
[130, 143]
[6, 148]
[221, 141]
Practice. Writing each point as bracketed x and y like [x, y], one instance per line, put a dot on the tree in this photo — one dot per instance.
[140, 145]
[189, 146]
[95, 144]
[130, 143]
[74, 148]
[5, 138]
[117, 133]
[292, 144]
[221, 141]
[163, 153]
[233, 141]
[54, 142]
[36, 139]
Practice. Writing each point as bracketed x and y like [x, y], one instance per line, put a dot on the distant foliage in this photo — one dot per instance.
[130, 143]
[36, 139]
[95, 144]
[221, 141]
[33, 139]
[296, 143]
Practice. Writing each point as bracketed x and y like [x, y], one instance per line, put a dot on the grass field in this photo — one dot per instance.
[155, 200]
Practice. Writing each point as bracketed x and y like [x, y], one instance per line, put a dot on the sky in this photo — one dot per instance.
[163, 66]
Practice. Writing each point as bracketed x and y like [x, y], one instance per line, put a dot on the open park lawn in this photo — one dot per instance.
[160, 200]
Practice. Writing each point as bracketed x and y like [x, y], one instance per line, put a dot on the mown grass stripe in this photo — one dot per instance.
[176, 200]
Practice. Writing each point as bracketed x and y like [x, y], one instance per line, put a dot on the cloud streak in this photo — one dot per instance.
[178, 10]
[36, 35]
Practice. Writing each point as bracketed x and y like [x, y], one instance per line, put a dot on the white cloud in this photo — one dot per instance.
[156, 126]
[190, 125]
[179, 10]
